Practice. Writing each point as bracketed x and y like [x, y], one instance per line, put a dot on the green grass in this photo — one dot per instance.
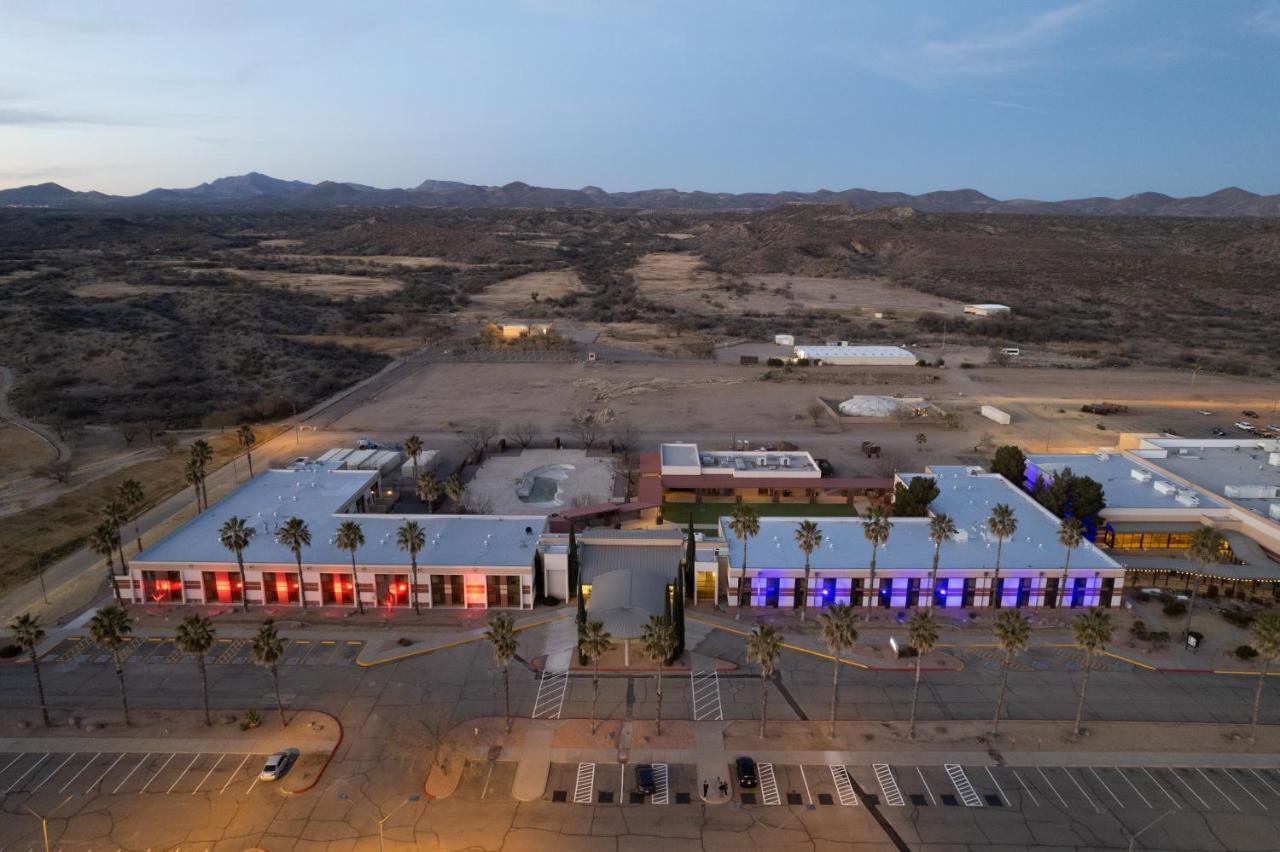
[706, 514]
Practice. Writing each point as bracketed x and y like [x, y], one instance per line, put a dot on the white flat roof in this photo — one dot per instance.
[989, 306]
[1121, 489]
[853, 352]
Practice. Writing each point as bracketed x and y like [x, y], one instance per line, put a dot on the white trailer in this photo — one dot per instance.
[784, 340]
[992, 413]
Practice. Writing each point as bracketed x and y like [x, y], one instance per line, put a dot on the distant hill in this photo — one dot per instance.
[259, 191]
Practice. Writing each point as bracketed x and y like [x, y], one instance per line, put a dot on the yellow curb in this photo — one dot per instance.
[416, 652]
[1250, 674]
[1149, 668]
[786, 645]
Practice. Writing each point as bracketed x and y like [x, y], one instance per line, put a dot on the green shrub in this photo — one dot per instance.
[1175, 608]
[1237, 617]
[1159, 638]
[8, 652]
[1138, 630]
[1246, 652]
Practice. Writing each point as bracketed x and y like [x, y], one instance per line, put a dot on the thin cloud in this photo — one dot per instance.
[1012, 105]
[1265, 21]
[11, 117]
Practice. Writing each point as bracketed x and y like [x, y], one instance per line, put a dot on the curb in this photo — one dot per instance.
[417, 652]
[327, 760]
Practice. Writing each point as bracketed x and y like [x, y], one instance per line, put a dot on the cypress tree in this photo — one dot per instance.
[689, 557]
[575, 578]
[677, 613]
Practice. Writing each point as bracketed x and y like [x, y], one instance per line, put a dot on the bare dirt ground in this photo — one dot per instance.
[369, 259]
[119, 290]
[334, 286]
[517, 293]
[652, 337]
[20, 450]
[393, 347]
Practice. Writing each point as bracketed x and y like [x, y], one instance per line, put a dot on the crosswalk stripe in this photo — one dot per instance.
[963, 786]
[582, 791]
[844, 787]
[769, 785]
[888, 785]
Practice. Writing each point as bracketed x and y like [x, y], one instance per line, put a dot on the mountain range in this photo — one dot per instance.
[259, 191]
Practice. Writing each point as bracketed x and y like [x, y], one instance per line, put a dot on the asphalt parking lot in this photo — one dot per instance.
[152, 650]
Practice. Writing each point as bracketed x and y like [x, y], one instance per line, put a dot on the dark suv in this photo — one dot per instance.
[644, 779]
[746, 773]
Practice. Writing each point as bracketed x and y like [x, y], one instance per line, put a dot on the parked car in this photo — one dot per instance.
[1244, 426]
[299, 463]
[1206, 412]
[276, 766]
[644, 779]
[366, 444]
[1248, 413]
[1219, 433]
[747, 777]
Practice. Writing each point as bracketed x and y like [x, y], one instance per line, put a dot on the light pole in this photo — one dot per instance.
[1133, 838]
[382, 820]
[297, 427]
[44, 820]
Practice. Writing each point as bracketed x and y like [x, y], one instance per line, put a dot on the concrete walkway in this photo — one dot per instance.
[535, 760]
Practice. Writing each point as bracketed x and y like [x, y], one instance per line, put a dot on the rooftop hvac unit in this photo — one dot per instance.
[1274, 511]
[1188, 498]
[786, 461]
[1140, 474]
[1163, 487]
[961, 535]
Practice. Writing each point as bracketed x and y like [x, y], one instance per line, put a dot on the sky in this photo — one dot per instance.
[1042, 100]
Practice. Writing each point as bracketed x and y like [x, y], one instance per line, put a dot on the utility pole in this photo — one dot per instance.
[1133, 838]
[44, 592]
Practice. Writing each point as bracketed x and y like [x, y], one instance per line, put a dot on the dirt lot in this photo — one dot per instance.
[392, 347]
[517, 293]
[334, 286]
[369, 259]
[119, 290]
[20, 450]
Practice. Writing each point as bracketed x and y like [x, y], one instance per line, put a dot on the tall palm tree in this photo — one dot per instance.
[202, 453]
[1205, 549]
[502, 637]
[764, 645]
[593, 643]
[808, 539]
[1013, 634]
[658, 639]
[27, 634]
[922, 636]
[1265, 635]
[428, 489]
[1070, 536]
[413, 447]
[1092, 631]
[191, 475]
[412, 539]
[267, 648]
[1002, 524]
[115, 513]
[235, 536]
[246, 439]
[130, 493]
[350, 538]
[839, 632]
[295, 535]
[745, 524]
[194, 636]
[110, 628]
[941, 528]
[876, 530]
[103, 541]
[456, 490]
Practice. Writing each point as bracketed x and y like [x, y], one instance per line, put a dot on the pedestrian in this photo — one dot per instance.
[705, 786]
[724, 789]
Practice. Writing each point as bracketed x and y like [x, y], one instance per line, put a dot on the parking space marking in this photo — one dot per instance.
[999, 789]
[256, 778]
[1176, 803]
[1264, 782]
[207, 774]
[233, 775]
[926, 786]
[585, 785]
[660, 794]
[705, 695]
[888, 785]
[49, 777]
[1189, 787]
[1216, 787]
[23, 776]
[960, 781]
[12, 762]
[145, 758]
[119, 758]
[183, 775]
[844, 787]
[162, 768]
[805, 778]
[550, 698]
[1132, 786]
[1051, 787]
[1105, 787]
[769, 785]
[64, 787]
[1080, 787]
[1247, 791]
[1026, 789]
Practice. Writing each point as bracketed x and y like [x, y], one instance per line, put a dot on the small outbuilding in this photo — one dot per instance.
[987, 310]
[858, 356]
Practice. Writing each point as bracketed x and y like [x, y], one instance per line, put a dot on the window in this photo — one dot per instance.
[392, 590]
[222, 587]
[336, 590]
[162, 586]
[279, 587]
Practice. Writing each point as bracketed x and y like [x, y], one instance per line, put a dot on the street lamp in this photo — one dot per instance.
[382, 820]
[1133, 838]
[44, 820]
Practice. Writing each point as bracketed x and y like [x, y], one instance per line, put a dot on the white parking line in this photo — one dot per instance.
[23, 776]
[1189, 787]
[233, 775]
[1132, 786]
[207, 774]
[145, 758]
[549, 701]
[12, 762]
[49, 777]
[1264, 782]
[180, 777]
[769, 785]
[1176, 803]
[999, 789]
[256, 778]
[1105, 787]
[1246, 790]
[119, 758]
[1216, 787]
[926, 787]
[162, 768]
[64, 787]
[661, 788]
[1026, 789]
[844, 786]
[888, 785]
[1081, 789]
[807, 794]
[1051, 787]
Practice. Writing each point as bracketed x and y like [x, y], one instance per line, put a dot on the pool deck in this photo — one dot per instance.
[590, 480]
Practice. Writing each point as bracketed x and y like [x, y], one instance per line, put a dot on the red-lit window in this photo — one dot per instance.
[162, 586]
[393, 590]
[223, 587]
[280, 587]
[336, 590]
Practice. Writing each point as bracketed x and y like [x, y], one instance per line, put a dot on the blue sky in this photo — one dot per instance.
[1046, 99]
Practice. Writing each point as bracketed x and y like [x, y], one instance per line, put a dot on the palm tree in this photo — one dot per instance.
[808, 538]
[922, 636]
[202, 454]
[350, 538]
[295, 535]
[1205, 549]
[194, 636]
[411, 538]
[413, 446]
[132, 496]
[454, 488]
[246, 439]
[745, 524]
[103, 541]
[1265, 635]
[941, 528]
[191, 475]
[593, 643]
[1002, 524]
[839, 632]
[428, 488]
[502, 636]
[235, 536]
[1070, 536]
[658, 639]
[1092, 631]
[876, 530]
[110, 628]
[27, 634]
[268, 648]
[1013, 634]
[115, 513]
[764, 645]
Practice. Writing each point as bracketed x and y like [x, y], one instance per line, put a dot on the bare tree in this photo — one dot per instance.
[523, 433]
[479, 434]
[586, 427]
[130, 432]
[816, 412]
[623, 435]
[59, 471]
[624, 468]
